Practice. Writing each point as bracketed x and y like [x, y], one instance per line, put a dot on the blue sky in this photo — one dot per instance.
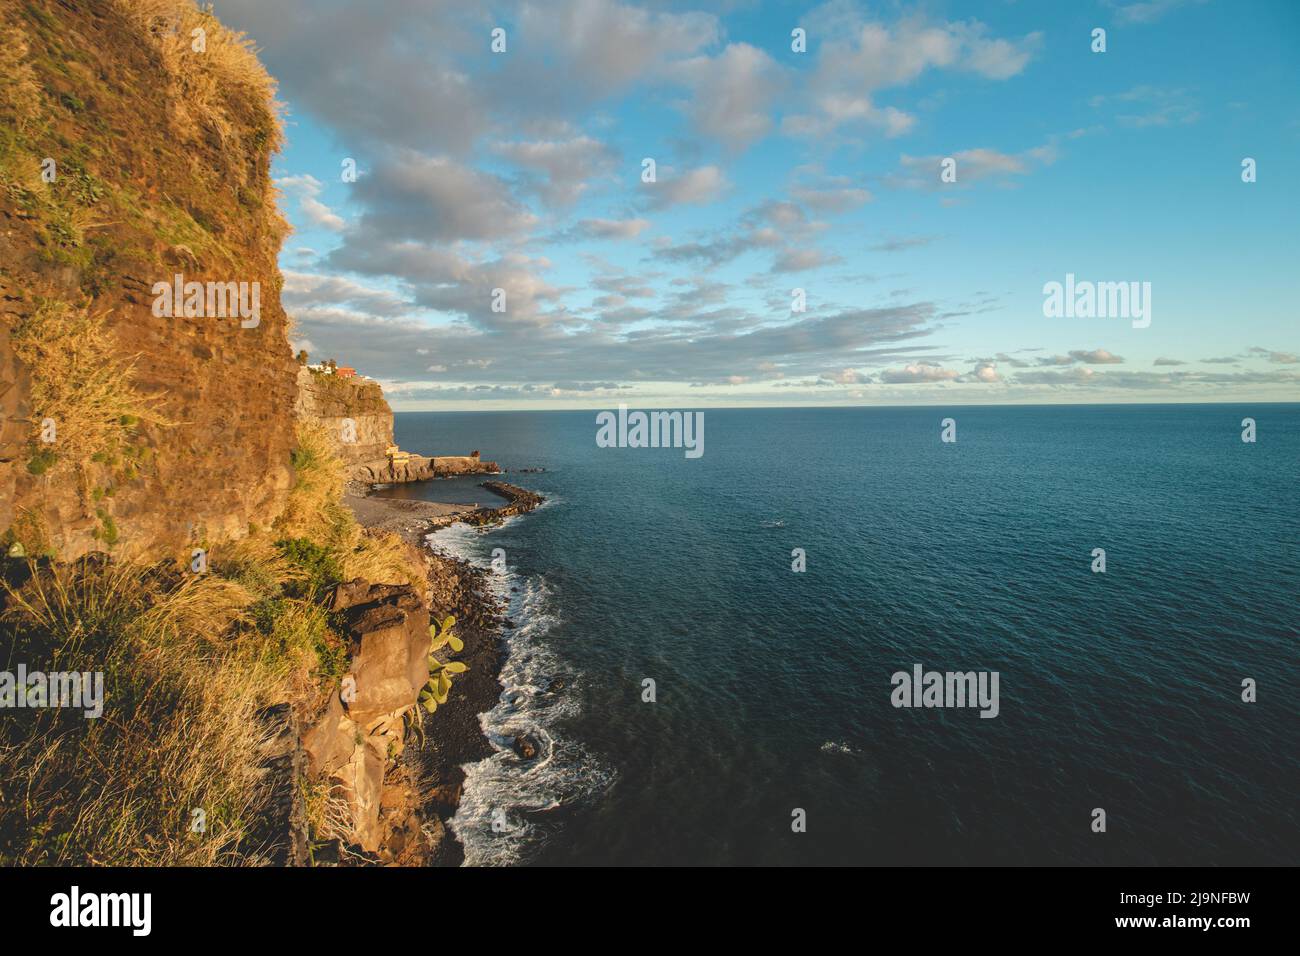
[779, 170]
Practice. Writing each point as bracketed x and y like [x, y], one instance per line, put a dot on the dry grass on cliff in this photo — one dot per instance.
[178, 730]
[315, 511]
[82, 381]
[189, 662]
[382, 557]
[186, 674]
[315, 505]
[203, 123]
[222, 87]
[20, 93]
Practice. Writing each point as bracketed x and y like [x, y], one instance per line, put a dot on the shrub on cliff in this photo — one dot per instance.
[319, 565]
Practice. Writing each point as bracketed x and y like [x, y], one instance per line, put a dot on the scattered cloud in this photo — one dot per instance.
[696, 186]
[731, 94]
[560, 171]
[917, 372]
[1095, 357]
[972, 165]
[307, 190]
[606, 229]
[900, 243]
[859, 59]
[1146, 11]
[1150, 106]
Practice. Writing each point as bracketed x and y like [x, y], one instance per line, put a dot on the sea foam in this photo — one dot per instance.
[502, 817]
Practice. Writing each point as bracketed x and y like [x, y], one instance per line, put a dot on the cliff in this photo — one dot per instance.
[132, 421]
[353, 412]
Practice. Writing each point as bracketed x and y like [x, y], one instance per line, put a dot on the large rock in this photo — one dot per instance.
[354, 593]
[361, 727]
[362, 782]
[330, 741]
[390, 656]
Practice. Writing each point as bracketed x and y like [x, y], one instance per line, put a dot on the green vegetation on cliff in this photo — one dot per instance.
[83, 387]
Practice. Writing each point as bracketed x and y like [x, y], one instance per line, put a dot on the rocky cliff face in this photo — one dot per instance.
[149, 398]
[128, 158]
[421, 468]
[352, 410]
[362, 730]
[359, 423]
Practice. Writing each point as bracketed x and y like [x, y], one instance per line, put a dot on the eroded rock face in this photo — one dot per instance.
[330, 741]
[352, 410]
[362, 780]
[382, 471]
[353, 740]
[390, 660]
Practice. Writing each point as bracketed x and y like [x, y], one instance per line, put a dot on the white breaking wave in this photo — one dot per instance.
[501, 817]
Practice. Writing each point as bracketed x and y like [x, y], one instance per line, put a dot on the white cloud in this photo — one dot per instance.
[568, 166]
[874, 57]
[732, 93]
[307, 188]
[696, 186]
[1146, 11]
[917, 372]
[412, 196]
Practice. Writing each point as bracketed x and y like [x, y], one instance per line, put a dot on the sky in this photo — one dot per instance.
[799, 242]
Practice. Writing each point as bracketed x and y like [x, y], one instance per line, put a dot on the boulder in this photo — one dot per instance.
[358, 592]
[330, 741]
[446, 797]
[526, 747]
[390, 660]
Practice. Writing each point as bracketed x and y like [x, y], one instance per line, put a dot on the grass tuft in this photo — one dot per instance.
[221, 88]
[316, 514]
[20, 93]
[83, 382]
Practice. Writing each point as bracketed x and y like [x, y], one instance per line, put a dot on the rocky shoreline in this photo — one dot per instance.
[453, 735]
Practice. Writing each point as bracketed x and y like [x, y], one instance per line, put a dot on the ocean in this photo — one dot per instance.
[773, 695]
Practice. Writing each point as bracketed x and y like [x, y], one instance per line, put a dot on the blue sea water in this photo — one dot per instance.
[1119, 691]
